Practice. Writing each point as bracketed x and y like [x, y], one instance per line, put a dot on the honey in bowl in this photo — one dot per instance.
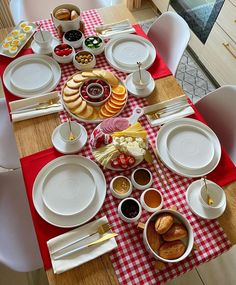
[121, 185]
[142, 177]
[152, 199]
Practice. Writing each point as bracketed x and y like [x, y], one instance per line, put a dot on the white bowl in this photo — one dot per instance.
[139, 186]
[65, 58]
[70, 24]
[87, 66]
[189, 240]
[144, 204]
[64, 132]
[43, 41]
[74, 44]
[216, 193]
[145, 76]
[125, 218]
[98, 103]
[115, 193]
[95, 51]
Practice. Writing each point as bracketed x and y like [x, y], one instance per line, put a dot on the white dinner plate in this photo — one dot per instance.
[139, 93]
[68, 189]
[124, 68]
[192, 197]
[31, 75]
[67, 148]
[190, 147]
[77, 219]
[128, 52]
[55, 69]
[161, 145]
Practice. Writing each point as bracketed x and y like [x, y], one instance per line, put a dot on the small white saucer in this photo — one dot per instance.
[66, 148]
[139, 92]
[192, 197]
[38, 50]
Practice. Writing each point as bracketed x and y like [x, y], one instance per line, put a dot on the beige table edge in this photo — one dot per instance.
[27, 133]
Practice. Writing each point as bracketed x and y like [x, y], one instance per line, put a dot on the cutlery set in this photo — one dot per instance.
[102, 230]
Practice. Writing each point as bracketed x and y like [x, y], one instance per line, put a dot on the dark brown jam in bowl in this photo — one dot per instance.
[142, 177]
[95, 90]
[130, 208]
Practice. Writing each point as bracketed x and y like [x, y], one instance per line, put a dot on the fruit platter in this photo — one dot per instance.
[92, 96]
[119, 143]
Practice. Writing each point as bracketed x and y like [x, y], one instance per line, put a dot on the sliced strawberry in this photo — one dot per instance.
[115, 163]
[130, 160]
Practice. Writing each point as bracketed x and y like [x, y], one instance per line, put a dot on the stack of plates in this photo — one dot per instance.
[69, 191]
[124, 52]
[188, 147]
[31, 75]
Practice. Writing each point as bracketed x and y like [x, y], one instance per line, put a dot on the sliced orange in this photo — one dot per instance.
[109, 109]
[113, 106]
[119, 90]
[118, 97]
[105, 113]
[117, 103]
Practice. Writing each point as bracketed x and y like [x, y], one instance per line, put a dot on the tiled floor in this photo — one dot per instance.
[196, 84]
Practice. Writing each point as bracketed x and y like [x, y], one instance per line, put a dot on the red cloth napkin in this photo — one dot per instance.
[159, 68]
[31, 165]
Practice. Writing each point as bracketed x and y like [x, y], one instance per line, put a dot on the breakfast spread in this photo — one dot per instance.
[142, 177]
[118, 145]
[84, 57]
[86, 106]
[121, 185]
[73, 35]
[167, 236]
[17, 38]
[130, 208]
[152, 198]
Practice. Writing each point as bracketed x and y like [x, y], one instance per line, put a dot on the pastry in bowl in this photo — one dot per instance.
[168, 236]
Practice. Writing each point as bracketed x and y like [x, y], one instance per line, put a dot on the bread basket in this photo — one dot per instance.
[189, 240]
[67, 25]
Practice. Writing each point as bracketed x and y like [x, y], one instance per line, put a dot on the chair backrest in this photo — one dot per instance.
[170, 35]
[18, 244]
[218, 109]
[9, 157]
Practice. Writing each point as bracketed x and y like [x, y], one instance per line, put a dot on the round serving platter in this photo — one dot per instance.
[96, 116]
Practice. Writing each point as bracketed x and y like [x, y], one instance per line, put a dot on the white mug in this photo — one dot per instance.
[43, 39]
[145, 79]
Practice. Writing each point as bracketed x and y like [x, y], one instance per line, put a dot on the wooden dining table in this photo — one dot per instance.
[34, 135]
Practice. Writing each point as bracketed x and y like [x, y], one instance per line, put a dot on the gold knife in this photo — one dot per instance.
[100, 240]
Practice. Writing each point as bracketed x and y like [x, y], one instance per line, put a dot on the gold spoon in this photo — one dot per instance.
[209, 199]
[71, 135]
[139, 70]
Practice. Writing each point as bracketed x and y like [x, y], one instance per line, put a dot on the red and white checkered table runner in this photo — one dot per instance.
[131, 261]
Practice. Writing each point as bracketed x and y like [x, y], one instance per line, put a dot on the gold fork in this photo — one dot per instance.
[102, 229]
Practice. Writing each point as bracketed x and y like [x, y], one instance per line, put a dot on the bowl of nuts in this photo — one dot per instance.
[63, 53]
[84, 60]
[73, 38]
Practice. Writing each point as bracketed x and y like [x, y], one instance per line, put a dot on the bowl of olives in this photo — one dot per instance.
[94, 44]
[74, 38]
[84, 60]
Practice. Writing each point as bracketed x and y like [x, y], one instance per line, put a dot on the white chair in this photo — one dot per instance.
[170, 35]
[37, 10]
[9, 157]
[19, 249]
[218, 109]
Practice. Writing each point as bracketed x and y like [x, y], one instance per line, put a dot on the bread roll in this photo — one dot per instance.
[177, 231]
[172, 249]
[163, 223]
[73, 15]
[62, 14]
[154, 239]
